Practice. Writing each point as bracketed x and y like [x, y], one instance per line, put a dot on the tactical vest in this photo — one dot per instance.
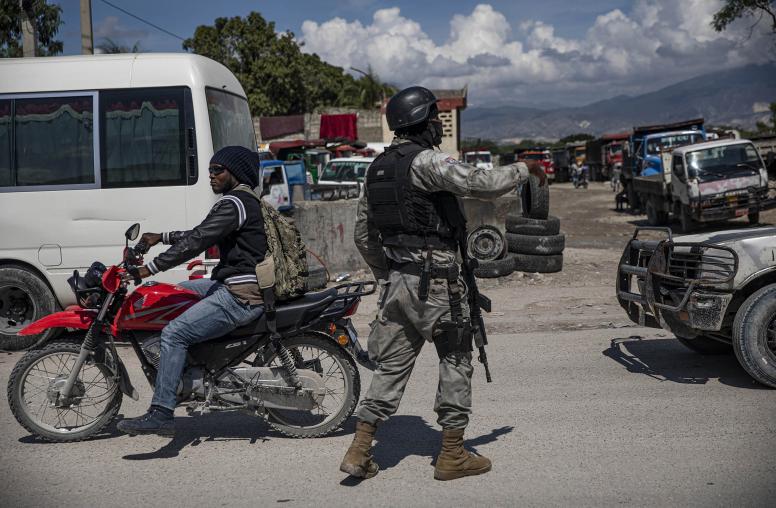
[405, 215]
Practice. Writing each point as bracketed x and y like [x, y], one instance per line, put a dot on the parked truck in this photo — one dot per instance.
[706, 182]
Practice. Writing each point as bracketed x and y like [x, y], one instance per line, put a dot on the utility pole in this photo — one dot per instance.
[87, 38]
[28, 33]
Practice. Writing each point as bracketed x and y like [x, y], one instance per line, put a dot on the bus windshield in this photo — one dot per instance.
[230, 120]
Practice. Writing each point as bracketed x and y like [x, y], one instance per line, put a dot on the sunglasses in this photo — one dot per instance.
[216, 169]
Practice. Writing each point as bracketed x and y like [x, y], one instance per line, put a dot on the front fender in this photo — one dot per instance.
[80, 319]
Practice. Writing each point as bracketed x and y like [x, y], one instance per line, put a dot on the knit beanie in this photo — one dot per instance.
[243, 163]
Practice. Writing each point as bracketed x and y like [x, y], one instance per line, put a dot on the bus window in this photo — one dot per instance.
[54, 141]
[230, 120]
[5, 143]
[143, 137]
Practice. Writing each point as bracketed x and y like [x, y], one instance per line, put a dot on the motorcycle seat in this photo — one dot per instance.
[293, 313]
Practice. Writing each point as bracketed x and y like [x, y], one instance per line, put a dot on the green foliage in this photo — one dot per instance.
[45, 20]
[110, 46]
[278, 78]
[734, 9]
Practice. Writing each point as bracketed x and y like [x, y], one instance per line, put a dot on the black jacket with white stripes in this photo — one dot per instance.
[236, 225]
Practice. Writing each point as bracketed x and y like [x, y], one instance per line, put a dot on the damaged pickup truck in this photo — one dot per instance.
[714, 291]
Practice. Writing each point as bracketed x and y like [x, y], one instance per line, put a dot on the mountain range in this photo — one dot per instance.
[737, 97]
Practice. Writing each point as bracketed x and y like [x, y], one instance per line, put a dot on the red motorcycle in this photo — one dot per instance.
[303, 381]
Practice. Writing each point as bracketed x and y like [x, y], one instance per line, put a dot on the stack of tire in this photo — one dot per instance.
[533, 237]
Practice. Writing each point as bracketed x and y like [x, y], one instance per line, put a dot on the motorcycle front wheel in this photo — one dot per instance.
[35, 400]
[342, 382]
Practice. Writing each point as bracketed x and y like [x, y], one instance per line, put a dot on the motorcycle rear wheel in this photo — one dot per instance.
[36, 379]
[343, 387]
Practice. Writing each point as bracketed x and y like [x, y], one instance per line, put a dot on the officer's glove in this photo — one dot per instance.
[535, 168]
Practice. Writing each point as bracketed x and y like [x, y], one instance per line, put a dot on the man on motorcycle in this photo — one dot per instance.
[406, 232]
[230, 298]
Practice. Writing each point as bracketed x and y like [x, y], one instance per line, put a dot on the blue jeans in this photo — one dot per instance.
[217, 314]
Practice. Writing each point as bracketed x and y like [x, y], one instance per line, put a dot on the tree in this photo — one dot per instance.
[111, 47]
[735, 9]
[278, 78]
[45, 19]
[576, 137]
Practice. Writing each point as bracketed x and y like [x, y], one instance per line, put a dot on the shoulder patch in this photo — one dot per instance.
[451, 160]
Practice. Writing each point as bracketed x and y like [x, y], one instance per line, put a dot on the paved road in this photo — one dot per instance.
[593, 417]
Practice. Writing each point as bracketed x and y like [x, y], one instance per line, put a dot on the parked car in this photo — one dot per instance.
[98, 142]
[345, 171]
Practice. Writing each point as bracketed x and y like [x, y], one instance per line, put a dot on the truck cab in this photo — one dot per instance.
[653, 148]
[481, 159]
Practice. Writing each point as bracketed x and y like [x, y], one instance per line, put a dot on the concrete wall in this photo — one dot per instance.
[327, 227]
[369, 124]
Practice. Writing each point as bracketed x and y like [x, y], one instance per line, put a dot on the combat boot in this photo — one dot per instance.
[454, 461]
[358, 459]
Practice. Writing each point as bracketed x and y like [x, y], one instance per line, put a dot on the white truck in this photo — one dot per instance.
[481, 159]
[706, 182]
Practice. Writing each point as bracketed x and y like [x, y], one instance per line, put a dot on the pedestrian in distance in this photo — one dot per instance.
[408, 220]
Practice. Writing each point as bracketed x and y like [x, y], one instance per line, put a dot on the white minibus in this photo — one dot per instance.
[90, 145]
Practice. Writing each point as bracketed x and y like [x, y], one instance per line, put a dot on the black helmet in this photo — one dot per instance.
[411, 106]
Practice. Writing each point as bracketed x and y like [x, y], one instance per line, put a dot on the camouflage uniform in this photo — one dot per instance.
[403, 322]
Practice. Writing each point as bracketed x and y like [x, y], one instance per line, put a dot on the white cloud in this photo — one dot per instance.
[658, 42]
[110, 27]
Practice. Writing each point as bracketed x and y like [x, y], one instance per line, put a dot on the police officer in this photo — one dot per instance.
[406, 232]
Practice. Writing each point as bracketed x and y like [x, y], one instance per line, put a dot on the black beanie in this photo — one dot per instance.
[243, 163]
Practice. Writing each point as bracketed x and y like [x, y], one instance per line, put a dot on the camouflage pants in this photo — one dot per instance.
[398, 333]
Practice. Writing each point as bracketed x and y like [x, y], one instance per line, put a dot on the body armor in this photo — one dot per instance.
[405, 215]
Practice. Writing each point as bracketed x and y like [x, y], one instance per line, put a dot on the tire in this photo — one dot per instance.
[486, 243]
[23, 293]
[537, 245]
[706, 345]
[520, 225]
[16, 385]
[317, 278]
[278, 420]
[754, 335]
[655, 217]
[754, 218]
[538, 264]
[497, 268]
[536, 200]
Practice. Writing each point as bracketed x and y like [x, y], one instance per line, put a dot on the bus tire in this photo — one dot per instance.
[24, 298]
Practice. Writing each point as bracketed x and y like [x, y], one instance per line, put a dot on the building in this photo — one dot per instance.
[450, 103]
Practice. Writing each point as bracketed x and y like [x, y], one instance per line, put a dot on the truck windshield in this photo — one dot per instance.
[666, 143]
[347, 171]
[230, 120]
[723, 160]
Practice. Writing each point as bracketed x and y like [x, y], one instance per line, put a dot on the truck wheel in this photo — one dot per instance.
[536, 200]
[706, 345]
[496, 268]
[754, 335]
[538, 264]
[525, 226]
[754, 218]
[24, 298]
[686, 222]
[541, 245]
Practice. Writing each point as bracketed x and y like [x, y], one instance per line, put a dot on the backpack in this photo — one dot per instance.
[284, 269]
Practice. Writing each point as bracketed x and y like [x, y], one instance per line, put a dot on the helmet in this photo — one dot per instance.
[411, 106]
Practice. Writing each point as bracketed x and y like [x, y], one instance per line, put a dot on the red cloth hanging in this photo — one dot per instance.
[339, 126]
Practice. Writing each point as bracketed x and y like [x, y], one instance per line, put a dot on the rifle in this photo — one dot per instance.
[476, 300]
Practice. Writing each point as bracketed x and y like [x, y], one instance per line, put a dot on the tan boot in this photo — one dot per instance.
[358, 459]
[454, 461]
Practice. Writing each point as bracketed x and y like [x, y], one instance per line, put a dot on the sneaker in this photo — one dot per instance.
[157, 421]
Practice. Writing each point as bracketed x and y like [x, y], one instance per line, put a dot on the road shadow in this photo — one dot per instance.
[406, 435]
[669, 360]
[216, 427]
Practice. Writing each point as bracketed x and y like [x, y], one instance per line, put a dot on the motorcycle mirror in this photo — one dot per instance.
[132, 232]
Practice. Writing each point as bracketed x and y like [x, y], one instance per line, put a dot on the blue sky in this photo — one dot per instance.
[548, 52]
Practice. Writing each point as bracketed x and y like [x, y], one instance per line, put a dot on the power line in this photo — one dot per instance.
[142, 20]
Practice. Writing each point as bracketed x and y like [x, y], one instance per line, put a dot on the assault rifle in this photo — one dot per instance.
[477, 302]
